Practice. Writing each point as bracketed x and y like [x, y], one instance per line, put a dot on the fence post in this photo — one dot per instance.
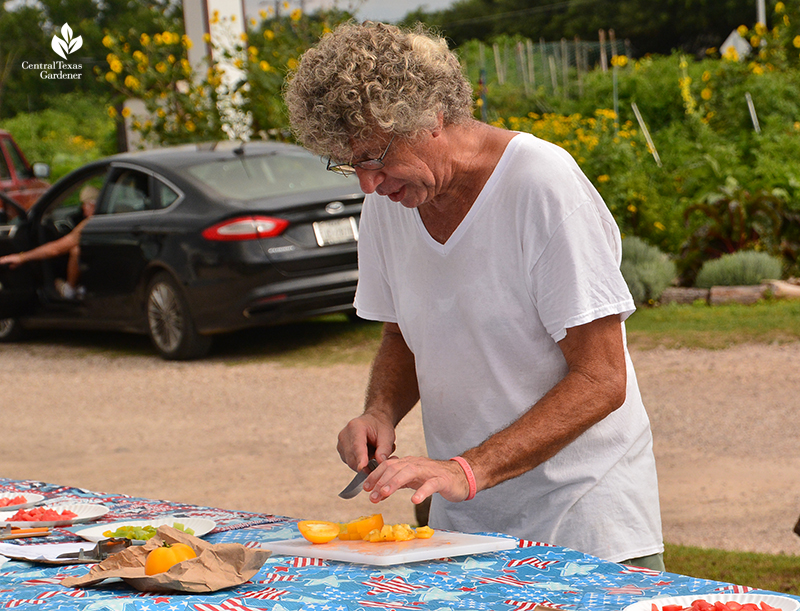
[564, 68]
[578, 65]
[498, 65]
[531, 70]
[603, 58]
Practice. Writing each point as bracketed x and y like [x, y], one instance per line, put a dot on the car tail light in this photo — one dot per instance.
[245, 228]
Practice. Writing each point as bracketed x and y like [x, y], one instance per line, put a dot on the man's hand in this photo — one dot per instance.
[361, 435]
[12, 261]
[424, 475]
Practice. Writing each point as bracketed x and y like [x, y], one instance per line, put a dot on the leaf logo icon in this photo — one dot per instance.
[68, 44]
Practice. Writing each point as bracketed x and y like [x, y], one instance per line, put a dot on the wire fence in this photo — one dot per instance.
[558, 67]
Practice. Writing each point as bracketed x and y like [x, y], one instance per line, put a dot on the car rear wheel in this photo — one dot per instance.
[10, 330]
[169, 321]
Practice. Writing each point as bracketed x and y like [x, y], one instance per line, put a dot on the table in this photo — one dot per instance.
[514, 580]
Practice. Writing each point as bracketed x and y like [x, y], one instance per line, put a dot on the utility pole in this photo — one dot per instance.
[761, 12]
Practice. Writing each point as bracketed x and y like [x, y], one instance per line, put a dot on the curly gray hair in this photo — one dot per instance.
[363, 78]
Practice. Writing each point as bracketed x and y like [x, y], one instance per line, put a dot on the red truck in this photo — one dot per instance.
[19, 179]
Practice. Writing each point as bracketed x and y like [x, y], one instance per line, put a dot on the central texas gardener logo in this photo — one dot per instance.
[68, 44]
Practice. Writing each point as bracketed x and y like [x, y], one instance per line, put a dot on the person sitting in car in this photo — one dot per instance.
[66, 245]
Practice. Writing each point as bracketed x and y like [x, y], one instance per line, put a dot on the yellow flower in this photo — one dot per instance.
[797, 125]
[132, 83]
[796, 42]
[158, 39]
[706, 76]
[742, 30]
[108, 41]
[757, 68]
[161, 67]
[269, 34]
[296, 14]
[706, 94]
[238, 62]
[243, 36]
[112, 112]
[190, 126]
[144, 39]
[252, 50]
[286, 6]
[603, 178]
[116, 66]
[126, 112]
[659, 226]
[731, 54]
[160, 112]
[755, 41]
[264, 65]
[207, 38]
[619, 60]
[631, 208]
[780, 7]
[187, 42]
[760, 29]
[262, 13]
[292, 63]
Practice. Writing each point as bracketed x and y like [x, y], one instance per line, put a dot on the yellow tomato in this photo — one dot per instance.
[317, 531]
[162, 558]
[424, 532]
[357, 530]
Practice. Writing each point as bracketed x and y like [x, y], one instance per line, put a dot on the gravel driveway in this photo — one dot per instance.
[256, 435]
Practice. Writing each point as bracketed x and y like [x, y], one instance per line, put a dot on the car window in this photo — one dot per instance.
[21, 168]
[129, 191]
[250, 178]
[5, 173]
[165, 196]
[65, 212]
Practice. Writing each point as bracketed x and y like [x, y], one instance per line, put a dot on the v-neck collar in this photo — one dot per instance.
[477, 205]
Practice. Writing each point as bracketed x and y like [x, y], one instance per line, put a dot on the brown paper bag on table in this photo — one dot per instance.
[216, 567]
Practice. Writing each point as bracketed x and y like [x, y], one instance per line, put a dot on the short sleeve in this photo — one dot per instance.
[374, 300]
[577, 279]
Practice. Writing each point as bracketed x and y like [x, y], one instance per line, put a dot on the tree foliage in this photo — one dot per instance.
[652, 26]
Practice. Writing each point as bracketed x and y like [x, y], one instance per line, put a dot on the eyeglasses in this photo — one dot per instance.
[348, 169]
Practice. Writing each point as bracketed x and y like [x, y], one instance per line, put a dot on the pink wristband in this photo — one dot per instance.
[473, 487]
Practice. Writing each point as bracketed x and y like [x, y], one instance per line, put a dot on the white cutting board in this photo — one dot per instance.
[440, 545]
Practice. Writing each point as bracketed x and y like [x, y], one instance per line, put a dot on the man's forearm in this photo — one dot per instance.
[393, 390]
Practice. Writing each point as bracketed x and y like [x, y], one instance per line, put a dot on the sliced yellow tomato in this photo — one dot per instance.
[318, 531]
[423, 532]
[358, 529]
[163, 558]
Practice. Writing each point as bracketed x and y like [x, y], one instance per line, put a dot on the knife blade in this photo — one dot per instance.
[99, 552]
[354, 487]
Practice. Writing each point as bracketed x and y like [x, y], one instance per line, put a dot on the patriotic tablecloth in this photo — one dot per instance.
[514, 580]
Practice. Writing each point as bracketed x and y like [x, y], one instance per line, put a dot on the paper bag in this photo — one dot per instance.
[216, 567]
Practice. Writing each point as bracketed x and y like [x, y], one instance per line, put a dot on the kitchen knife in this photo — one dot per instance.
[355, 486]
[100, 552]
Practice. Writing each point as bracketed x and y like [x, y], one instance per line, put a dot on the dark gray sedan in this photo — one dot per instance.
[187, 242]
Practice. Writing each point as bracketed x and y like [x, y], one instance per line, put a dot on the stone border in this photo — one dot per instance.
[718, 295]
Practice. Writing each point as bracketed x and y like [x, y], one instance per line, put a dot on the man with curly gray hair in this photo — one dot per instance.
[494, 265]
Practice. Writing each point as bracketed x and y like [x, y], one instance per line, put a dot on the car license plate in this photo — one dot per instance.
[338, 231]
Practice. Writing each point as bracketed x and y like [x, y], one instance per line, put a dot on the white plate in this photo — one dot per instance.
[781, 602]
[30, 500]
[200, 526]
[85, 512]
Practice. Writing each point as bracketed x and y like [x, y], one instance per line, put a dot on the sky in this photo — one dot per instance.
[377, 10]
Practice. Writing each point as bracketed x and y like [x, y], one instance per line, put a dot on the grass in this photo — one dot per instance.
[779, 573]
[714, 328]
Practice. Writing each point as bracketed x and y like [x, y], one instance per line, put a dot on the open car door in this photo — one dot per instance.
[17, 286]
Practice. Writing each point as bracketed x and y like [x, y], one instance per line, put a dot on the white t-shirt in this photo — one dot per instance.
[537, 253]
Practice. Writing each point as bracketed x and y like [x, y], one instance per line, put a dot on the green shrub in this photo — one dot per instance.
[646, 270]
[742, 268]
[72, 132]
